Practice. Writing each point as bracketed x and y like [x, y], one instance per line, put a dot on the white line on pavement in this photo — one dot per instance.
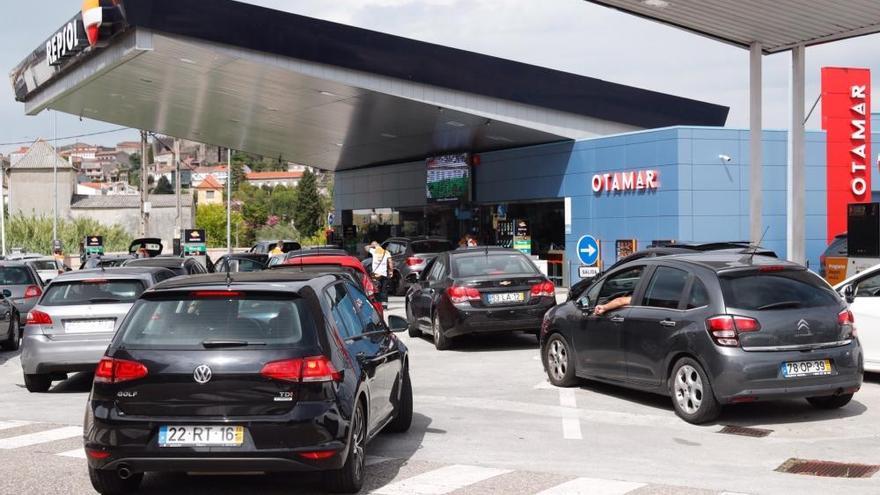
[592, 486]
[440, 481]
[567, 397]
[40, 437]
[571, 422]
[79, 453]
[14, 423]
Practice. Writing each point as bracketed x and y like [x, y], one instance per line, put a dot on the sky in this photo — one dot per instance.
[570, 35]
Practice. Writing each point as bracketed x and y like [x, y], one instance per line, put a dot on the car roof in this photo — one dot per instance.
[726, 261]
[332, 259]
[158, 261]
[14, 263]
[418, 238]
[477, 250]
[115, 272]
[287, 280]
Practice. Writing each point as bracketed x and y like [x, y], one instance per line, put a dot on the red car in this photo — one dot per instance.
[349, 264]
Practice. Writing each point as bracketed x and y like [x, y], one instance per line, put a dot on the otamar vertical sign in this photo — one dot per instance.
[846, 119]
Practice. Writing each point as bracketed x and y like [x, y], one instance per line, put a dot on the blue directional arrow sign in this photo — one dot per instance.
[588, 250]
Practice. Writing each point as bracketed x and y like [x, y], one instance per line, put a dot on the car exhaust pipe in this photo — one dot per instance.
[124, 472]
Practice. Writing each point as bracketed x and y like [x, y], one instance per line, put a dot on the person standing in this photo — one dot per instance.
[278, 249]
[379, 269]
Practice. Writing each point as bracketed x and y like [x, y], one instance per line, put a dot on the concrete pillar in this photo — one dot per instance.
[756, 164]
[796, 173]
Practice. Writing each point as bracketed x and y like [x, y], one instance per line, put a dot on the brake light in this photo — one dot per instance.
[216, 294]
[725, 329]
[317, 455]
[37, 317]
[112, 370]
[459, 294]
[414, 260]
[310, 369]
[847, 323]
[32, 291]
[772, 268]
[97, 454]
[544, 289]
[95, 281]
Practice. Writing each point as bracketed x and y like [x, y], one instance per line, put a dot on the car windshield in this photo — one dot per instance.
[15, 275]
[96, 291]
[777, 290]
[420, 247]
[492, 264]
[252, 320]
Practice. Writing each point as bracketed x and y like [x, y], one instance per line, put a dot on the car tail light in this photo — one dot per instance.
[847, 322]
[725, 329]
[459, 294]
[216, 294]
[37, 317]
[97, 454]
[112, 370]
[544, 289]
[317, 455]
[310, 369]
[95, 281]
[414, 260]
[32, 291]
[771, 268]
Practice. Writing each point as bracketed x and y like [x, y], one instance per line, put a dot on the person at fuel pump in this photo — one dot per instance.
[278, 249]
[381, 259]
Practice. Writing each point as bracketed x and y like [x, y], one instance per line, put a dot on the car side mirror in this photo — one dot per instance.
[849, 294]
[397, 324]
[584, 305]
[7, 293]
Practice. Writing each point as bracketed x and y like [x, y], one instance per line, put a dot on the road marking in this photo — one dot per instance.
[8, 425]
[571, 422]
[440, 481]
[41, 437]
[79, 453]
[592, 486]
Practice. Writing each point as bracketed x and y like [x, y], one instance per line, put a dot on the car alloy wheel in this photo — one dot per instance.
[359, 443]
[688, 389]
[557, 359]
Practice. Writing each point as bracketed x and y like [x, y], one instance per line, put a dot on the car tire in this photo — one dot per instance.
[413, 329]
[441, 341]
[403, 417]
[559, 361]
[37, 383]
[350, 478]
[830, 401]
[107, 482]
[14, 340]
[692, 395]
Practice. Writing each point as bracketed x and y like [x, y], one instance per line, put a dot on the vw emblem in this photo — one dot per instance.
[803, 328]
[202, 374]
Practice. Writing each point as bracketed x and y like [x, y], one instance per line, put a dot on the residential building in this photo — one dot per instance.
[31, 179]
[129, 147]
[106, 189]
[218, 172]
[274, 179]
[209, 191]
[17, 154]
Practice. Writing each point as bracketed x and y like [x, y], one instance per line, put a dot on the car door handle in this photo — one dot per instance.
[667, 323]
[616, 319]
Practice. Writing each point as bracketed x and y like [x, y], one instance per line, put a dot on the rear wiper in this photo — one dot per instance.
[780, 304]
[208, 344]
[96, 300]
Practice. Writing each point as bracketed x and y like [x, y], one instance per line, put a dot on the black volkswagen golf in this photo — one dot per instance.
[708, 330]
[267, 372]
[478, 290]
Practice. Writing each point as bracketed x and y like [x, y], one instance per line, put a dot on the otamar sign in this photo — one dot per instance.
[634, 180]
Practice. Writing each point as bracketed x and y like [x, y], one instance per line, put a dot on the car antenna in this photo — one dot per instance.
[758, 245]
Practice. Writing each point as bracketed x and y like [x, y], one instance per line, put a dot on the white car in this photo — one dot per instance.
[862, 292]
[47, 267]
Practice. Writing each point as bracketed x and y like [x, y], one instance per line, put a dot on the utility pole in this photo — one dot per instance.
[229, 201]
[54, 176]
[176, 153]
[2, 210]
[143, 183]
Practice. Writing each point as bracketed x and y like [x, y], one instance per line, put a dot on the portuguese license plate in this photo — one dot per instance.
[89, 326]
[506, 297]
[806, 368]
[201, 436]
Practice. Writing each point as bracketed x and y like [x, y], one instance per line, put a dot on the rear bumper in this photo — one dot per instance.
[744, 376]
[40, 354]
[220, 464]
[463, 320]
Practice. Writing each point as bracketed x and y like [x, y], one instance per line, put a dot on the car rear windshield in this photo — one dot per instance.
[44, 265]
[420, 247]
[254, 320]
[15, 275]
[777, 290]
[492, 264]
[92, 292]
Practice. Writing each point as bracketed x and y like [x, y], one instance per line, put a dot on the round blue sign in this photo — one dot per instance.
[588, 250]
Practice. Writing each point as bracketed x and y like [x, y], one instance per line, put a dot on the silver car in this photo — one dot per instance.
[23, 283]
[71, 326]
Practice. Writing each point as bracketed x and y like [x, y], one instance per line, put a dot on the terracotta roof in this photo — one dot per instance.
[93, 185]
[209, 183]
[208, 170]
[273, 175]
[41, 156]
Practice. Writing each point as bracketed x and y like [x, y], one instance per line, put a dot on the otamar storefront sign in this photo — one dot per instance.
[846, 110]
[632, 180]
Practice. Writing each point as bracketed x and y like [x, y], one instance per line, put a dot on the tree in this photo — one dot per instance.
[212, 218]
[308, 213]
[282, 203]
[238, 175]
[163, 186]
[134, 160]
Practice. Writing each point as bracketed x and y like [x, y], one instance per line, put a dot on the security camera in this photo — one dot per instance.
[725, 158]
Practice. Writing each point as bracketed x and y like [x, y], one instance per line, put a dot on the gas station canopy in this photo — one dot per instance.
[316, 92]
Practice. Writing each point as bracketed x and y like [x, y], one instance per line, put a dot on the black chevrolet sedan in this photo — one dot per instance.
[270, 372]
[708, 329]
[478, 290]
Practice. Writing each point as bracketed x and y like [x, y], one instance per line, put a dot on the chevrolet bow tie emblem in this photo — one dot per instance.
[803, 328]
[505, 283]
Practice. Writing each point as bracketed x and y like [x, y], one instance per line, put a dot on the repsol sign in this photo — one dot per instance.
[66, 43]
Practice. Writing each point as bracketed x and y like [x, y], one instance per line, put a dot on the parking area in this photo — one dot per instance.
[487, 421]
